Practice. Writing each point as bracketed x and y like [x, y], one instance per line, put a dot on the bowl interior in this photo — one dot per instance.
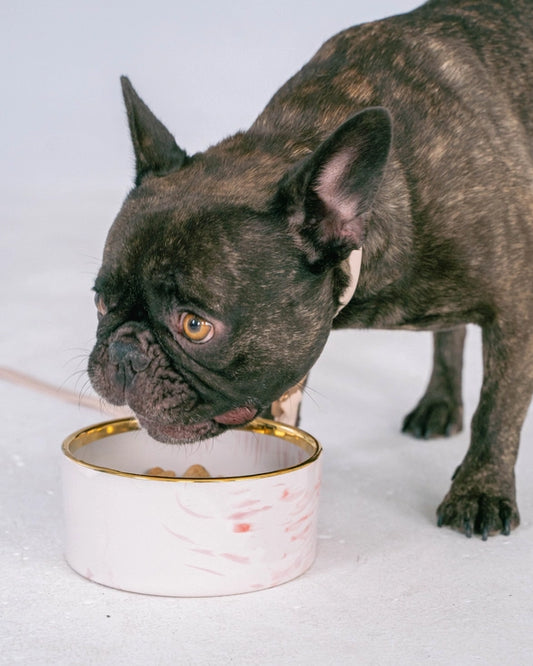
[260, 448]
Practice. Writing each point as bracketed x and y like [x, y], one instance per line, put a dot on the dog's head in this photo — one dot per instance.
[221, 274]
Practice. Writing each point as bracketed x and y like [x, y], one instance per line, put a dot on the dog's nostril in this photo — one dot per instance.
[128, 355]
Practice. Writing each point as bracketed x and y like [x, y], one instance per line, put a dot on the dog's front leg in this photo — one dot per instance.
[440, 410]
[482, 497]
[287, 408]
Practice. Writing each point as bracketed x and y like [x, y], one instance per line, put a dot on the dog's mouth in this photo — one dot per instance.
[133, 368]
[174, 433]
[237, 416]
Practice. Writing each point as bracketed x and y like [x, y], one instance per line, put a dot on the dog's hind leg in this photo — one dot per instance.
[440, 410]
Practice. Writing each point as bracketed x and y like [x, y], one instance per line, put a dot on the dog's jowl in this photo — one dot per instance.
[411, 138]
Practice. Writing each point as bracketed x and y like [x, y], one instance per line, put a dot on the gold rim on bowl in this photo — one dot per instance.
[84, 436]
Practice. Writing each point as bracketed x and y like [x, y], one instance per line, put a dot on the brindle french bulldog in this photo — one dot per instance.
[411, 138]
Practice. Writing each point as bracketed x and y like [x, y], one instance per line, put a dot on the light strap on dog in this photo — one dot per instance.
[286, 409]
[352, 267]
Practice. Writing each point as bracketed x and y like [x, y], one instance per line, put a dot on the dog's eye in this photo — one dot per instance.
[100, 305]
[194, 328]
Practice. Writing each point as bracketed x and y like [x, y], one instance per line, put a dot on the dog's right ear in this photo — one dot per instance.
[156, 151]
[329, 196]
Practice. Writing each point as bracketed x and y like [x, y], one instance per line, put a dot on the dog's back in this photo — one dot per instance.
[457, 77]
[446, 54]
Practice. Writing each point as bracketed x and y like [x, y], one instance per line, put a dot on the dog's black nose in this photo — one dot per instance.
[128, 360]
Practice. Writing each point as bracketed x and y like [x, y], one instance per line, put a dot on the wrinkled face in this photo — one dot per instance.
[204, 318]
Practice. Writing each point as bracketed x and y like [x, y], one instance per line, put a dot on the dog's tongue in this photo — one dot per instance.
[236, 416]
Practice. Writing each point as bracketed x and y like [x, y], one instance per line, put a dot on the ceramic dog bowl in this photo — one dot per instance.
[251, 526]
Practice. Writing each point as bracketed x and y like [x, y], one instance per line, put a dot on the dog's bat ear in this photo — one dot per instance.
[156, 151]
[337, 185]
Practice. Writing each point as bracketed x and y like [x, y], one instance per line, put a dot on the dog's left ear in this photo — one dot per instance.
[329, 197]
[156, 151]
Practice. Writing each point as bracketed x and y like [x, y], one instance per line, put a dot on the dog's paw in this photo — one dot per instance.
[478, 513]
[434, 417]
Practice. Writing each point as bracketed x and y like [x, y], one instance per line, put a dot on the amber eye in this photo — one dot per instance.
[100, 305]
[194, 328]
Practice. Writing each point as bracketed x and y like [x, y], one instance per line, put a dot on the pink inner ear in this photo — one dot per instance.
[341, 222]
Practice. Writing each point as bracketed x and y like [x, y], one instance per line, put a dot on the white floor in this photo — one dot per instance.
[388, 587]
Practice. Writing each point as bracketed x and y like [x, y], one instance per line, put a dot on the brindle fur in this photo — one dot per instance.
[251, 234]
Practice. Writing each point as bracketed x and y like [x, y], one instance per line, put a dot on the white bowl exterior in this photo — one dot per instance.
[174, 538]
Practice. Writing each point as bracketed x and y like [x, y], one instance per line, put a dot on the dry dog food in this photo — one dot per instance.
[196, 472]
[192, 472]
[159, 471]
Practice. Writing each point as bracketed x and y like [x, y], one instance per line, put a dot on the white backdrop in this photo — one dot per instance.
[207, 67]
[388, 587]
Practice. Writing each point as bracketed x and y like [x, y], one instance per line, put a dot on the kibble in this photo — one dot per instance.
[159, 471]
[192, 472]
[196, 472]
